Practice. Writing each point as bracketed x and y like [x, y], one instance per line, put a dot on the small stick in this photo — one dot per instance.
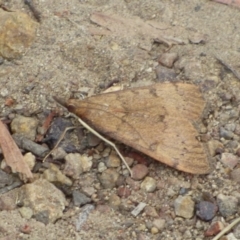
[35, 12]
[96, 134]
[58, 142]
[226, 229]
[229, 67]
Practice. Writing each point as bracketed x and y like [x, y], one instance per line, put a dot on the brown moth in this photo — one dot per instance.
[158, 120]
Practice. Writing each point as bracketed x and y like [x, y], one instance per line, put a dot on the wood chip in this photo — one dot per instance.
[138, 209]
[12, 154]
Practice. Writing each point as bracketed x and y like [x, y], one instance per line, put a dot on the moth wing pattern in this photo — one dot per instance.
[158, 120]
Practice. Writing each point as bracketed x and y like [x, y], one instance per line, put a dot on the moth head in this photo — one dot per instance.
[76, 106]
[71, 105]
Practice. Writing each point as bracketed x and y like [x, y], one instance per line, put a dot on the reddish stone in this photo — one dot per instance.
[137, 157]
[103, 208]
[123, 192]
[139, 171]
[214, 229]
[25, 229]
[135, 185]
[230, 160]
[9, 101]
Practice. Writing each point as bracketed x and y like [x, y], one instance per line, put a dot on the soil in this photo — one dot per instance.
[73, 55]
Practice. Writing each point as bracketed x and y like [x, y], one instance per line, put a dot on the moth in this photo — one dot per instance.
[157, 120]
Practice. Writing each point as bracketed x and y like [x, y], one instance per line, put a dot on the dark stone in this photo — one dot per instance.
[5, 179]
[42, 217]
[30, 146]
[206, 210]
[55, 131]
[123, 192]
[183, 191]
[80, 199]
[165, 74]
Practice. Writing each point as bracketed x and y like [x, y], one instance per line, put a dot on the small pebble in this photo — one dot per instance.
[113, 160]
[9, 101]
[80, 199]
[228, 205]
[228, 135]
[229, 160]
[135, 185]
[238, 152]
[30, 159]
[170, 192]
[26, 126]
[86, 162]
[114, 201]
[165, 74]
[54, 175]
[18, 31]
[213, 145]
[83, 216]
[236, 231]
[120, 181]
[89, 191]
[108, 178]
[237, 129]
[4, 92]
[232, 144]
[229, 236]
[150, 211]
[123, 192]
[141, 227]
[93, 140]
[235, 175]
[183, 191]
[167, 59]
[149, 184]
[106, 152]
[184, 206]
[230, 127]
[129, 161]
[30, 145]
[101, 167]
[149, 225]
[159, 223]
[141, 236]
[76, 164]
[26, 212]
[234, 114]
[139, 171]
[7, 203]
[206, 210]
[192, 68]
[209, 83]
[58, 153]
[187, 235]
[5, 179]
[154, 230]
[198, 38]
[26, 229]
